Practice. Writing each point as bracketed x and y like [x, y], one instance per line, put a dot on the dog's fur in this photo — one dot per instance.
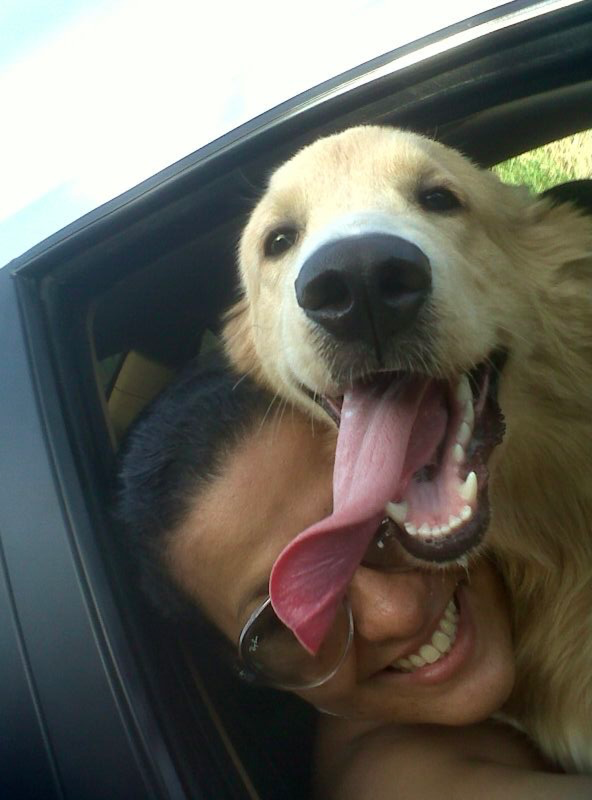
[509, 270]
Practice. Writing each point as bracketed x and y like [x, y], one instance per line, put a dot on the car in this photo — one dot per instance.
[100, 698]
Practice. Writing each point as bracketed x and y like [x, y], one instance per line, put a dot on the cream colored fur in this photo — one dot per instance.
[508, 270]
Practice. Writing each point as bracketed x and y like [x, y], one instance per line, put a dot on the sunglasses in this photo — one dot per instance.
[270, 654]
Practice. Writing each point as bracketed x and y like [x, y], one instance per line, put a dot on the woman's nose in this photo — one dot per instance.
[389, 605]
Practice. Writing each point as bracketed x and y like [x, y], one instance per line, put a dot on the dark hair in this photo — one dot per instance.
[175, 448]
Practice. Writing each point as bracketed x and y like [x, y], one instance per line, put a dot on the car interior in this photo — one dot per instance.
[121, 302]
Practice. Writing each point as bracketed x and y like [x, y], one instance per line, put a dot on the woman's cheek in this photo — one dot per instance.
[340, 695]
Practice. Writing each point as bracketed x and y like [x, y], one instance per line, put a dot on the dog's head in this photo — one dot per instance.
[386, 281]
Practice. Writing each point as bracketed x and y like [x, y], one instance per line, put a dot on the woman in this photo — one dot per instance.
[213, 487]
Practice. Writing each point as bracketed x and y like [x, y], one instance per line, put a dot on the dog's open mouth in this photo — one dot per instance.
[433, 439]
[409, 446]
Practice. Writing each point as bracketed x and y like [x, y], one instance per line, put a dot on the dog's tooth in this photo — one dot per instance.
[468, 489]
[458, 453]
[466, 513]
[464, 434]
[411, 529]
[444, 528]
[425, 529]
[397, 512]
[463, 391]
[436, 530]
[454, 521]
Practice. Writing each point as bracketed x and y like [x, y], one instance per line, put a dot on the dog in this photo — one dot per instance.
[379, 261]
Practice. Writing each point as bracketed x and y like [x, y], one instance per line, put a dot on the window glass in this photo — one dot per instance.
[564, 160]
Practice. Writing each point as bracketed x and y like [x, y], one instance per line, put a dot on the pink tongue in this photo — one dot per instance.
[372, 467]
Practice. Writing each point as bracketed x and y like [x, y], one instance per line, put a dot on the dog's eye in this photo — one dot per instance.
[279, 241]
[439, 199]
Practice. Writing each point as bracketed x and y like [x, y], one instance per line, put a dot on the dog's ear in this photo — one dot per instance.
[238, 339]
[557, 229]
[578, 193]
[574, 199]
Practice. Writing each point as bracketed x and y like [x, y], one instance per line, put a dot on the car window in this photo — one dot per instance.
[563, 160]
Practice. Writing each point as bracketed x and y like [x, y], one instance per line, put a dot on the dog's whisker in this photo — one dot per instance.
[284, 403]
[244, 377]
[268, 410]
[257, 190]
[515, 334]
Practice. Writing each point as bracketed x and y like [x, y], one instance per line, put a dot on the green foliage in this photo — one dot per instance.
[537, 173]
[557, 162]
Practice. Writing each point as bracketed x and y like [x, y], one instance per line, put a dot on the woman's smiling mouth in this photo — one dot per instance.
[440, 643]
[443, 652]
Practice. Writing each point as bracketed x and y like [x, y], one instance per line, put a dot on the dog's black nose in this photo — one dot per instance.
[364, 288]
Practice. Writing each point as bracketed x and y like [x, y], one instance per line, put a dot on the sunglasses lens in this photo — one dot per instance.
[274, 653]
[385, 552]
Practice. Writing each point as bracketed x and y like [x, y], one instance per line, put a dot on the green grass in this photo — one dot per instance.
[537, 173]
[564, 160]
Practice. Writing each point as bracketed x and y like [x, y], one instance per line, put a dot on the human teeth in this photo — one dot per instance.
[397, 512]
[458, 453]
[463, 391]
[466, 513]
[429, 653]
[436, 530]
[425, 529]
[441, 641]
[444, 528]
[411, 529]
[464, 434]
[468, 489]
[454, 521]
[450, 610]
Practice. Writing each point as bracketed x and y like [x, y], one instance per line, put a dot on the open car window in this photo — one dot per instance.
[561, 161]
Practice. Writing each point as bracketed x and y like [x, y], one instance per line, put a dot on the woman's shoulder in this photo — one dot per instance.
[354, 758]
[489, 760]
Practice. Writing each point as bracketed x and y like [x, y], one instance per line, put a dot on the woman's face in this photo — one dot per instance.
[276, 483]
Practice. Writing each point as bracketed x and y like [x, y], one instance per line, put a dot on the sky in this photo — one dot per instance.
[97, 95]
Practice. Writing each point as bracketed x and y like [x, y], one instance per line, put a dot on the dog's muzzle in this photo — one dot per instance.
[365, 288]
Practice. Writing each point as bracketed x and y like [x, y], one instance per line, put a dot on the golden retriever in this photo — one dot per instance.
[379, 261]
